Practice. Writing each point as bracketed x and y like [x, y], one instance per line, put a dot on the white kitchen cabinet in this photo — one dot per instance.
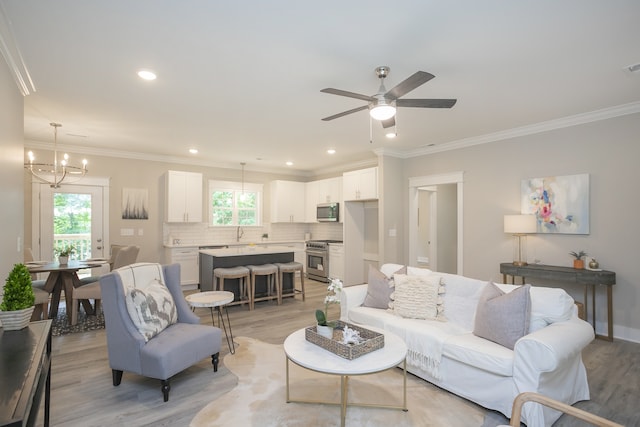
[310, 201]
[336, 261]
[360, 185]
[287, 201]
[330, 190]
[188, 258]
[322, 191]
[184, 196]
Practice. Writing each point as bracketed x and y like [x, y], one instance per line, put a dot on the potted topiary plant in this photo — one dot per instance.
[64, 252]
[17, 302]
[578, 262]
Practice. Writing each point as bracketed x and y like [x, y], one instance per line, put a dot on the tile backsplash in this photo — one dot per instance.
[202, 234]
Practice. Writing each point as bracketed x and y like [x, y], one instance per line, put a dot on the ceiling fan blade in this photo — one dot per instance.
[344, 113]
[409, 84]
[426, 103]
[347, 94]
[389, 123]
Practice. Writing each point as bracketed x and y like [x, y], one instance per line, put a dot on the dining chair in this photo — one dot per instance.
[142, 347]
[42, 297]
[125, 255]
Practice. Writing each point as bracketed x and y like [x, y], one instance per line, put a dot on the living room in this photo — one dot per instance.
[598, 141]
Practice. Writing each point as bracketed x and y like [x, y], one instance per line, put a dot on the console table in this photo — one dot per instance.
[25, 364]
[570, 275]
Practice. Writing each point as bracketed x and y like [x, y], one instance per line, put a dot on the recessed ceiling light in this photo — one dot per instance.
[147, 75]
[331, 151]
[193, 150]
[289, 163]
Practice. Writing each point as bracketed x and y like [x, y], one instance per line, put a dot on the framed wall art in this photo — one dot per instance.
[135, 203]
[560, 203]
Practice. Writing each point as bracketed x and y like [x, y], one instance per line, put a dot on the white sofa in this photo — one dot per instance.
[547, 360]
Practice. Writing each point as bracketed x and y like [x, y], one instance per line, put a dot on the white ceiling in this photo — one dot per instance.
[240, 81]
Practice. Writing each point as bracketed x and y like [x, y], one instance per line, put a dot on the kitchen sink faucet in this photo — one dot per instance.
[239, 233]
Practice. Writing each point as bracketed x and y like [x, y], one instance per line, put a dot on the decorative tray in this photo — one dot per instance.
[372, 341]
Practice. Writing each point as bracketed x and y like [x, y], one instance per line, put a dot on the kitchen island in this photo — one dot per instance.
[211, 259]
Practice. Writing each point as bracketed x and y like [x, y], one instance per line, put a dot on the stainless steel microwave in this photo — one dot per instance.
[328, 212]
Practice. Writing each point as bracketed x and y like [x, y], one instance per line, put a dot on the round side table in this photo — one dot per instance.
[217, 300]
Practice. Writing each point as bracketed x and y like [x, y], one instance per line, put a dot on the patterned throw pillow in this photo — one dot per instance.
[379, 288]
[151, 309]
[418, 297]
[503, 317]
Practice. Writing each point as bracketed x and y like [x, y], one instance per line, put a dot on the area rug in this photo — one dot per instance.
[259, 399]
[85, 323]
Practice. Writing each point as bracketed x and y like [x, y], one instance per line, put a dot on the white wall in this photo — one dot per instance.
[11, 172]
[608, 151]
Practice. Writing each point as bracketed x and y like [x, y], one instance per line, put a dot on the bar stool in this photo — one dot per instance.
[240, 273]
[290, 267]
[274, 289]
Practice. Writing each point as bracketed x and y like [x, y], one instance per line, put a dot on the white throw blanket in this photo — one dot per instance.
[425, 341]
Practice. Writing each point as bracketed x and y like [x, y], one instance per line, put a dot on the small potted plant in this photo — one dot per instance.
[17, 302]
[325, 327]
[64, 252]
[578, 262]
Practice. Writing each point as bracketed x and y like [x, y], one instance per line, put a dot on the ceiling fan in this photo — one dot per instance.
[382, 105]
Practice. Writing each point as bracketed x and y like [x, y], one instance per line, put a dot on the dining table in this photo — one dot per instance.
[62, 277]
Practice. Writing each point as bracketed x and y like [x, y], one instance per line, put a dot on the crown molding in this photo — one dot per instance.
[564, 122]
[11, 53]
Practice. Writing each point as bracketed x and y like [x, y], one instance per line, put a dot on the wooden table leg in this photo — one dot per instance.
[54, 285]
[593, 306]
[68, 293]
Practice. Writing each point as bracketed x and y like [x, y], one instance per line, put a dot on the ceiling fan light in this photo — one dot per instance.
[382, 112]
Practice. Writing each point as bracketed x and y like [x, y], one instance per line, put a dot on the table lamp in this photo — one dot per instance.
[520, 226]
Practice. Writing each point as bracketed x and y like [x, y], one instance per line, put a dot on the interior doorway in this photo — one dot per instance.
[435, 222]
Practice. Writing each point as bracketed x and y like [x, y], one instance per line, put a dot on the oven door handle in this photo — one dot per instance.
[318, 253]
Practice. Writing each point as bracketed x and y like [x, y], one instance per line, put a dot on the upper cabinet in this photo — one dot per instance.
[184, 197]
[287, 201]
[360, 185]
[323, 191]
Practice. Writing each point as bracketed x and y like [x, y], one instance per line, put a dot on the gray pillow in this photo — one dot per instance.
[503, 317]
[380, 288]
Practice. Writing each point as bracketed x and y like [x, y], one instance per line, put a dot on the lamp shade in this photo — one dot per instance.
[520, 224]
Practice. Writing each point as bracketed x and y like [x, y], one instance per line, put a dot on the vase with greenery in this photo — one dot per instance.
[578, 262]
[64, 252]
[17, 302]
[325, 327]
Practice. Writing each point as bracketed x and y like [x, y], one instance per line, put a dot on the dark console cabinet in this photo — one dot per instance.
[25, 374]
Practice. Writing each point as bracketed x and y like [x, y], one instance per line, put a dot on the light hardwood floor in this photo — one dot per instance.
[83, 395]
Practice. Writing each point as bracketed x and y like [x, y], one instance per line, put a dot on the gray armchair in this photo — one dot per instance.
[174, 349]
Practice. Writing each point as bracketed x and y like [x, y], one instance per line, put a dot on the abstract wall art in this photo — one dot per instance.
[560, 203]
[135, 203]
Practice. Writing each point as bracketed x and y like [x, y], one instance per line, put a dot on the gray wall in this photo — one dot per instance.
[11, 172]
[607, 150]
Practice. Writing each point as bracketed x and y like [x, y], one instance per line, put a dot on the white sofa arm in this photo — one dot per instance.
[350, 297]
[546, 349]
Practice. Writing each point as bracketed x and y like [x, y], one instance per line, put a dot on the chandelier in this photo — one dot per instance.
[55, 173]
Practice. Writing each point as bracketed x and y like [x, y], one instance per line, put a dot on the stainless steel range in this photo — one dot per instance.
[318, 259]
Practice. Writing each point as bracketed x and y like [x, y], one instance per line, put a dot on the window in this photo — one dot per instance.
[233, 204]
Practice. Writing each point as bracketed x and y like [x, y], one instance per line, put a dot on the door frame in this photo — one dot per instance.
[36, 208]
[424, 181]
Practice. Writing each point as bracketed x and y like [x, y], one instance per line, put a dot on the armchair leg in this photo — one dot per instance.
[214, 360]
[165, 389]
[117, 377]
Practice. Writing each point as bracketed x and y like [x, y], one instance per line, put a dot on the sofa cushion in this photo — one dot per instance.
[388, 269]
[461, 299]
[368, 316]
[418, 297]
[151, 309]
[379, 288]
[480, 353]
[503, 317]
[548, 305]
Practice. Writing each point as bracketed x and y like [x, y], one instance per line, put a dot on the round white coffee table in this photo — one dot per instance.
[311, 356]
[217, 300]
